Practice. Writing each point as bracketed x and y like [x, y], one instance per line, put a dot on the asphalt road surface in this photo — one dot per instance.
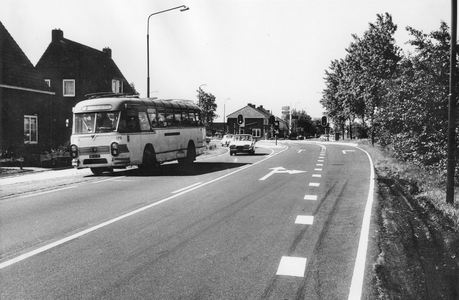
[284, 223]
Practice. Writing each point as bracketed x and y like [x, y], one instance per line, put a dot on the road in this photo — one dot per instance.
[284, 223]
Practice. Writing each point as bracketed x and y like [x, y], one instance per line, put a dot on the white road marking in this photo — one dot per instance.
[310, 197]
[319, 165]
[292, 266]
[316, 175]
[314, 184]
[185, 188]
[281, 170]
[318, 169]
[47, 192]
[109, 179]
[320, 160]
[304, 220]
[355, 292]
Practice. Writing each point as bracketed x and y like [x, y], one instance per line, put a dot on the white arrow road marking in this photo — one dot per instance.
[281, 170]
[344, 151]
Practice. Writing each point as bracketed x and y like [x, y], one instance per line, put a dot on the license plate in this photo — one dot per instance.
[94, 156]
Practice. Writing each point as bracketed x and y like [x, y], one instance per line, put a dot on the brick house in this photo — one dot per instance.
[25, 100]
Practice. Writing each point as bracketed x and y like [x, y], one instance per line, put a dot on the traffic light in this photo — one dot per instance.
[324, 121]
[240, 119]
[271, 120]
[276, 125]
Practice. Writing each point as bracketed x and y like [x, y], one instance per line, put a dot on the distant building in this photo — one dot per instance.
[255, 122]
[73, 70]
[25, 101]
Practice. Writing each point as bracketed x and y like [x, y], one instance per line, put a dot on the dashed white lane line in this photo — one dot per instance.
[320, 160]
[318, 169]
[304, 220]
[314, 184]
[319, 165]
[316, 175]
[292, 266]
[310, 197]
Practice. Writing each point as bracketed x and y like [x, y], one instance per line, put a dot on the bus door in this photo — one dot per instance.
[130, 126]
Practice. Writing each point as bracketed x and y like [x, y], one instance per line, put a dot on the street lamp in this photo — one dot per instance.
[224, 116]
[182, 8]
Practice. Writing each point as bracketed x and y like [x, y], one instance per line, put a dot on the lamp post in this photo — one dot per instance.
[224, 116]
[182, 8]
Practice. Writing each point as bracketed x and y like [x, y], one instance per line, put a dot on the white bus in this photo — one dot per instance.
[112, 131]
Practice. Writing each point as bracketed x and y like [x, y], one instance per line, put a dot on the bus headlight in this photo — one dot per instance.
[114, 149]
[73, 151]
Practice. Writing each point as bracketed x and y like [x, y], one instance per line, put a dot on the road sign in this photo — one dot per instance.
[286, 108]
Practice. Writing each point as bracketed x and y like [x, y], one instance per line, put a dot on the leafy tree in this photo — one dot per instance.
[414, 121]
[209, 107]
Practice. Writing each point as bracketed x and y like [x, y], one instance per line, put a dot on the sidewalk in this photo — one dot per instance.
[34, 174]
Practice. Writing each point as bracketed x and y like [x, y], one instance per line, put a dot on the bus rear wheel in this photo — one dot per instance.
[190, 155]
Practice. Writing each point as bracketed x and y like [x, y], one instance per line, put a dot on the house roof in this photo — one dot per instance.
[250, 111]
[16, 70]
[79, 60]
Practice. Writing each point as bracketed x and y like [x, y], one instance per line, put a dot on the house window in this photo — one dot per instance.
[48, 82]
[68, 87]
[117, 86]
[30, 129]
[256, 132]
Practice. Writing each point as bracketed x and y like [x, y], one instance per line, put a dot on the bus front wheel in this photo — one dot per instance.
[100, 171]
[148, 160]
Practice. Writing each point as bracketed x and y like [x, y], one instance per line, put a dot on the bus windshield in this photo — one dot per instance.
[96, 122]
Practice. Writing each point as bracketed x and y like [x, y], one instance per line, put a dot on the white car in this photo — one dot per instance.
[226, 139]
[242, 143]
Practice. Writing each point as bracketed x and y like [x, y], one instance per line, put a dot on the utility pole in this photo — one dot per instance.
[452, 109]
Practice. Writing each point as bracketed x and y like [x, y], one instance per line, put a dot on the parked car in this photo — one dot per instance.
[226, 139]
[242, 143]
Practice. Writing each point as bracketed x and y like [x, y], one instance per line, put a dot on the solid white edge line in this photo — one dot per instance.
[91, 229]
[185, 188]
[355, 291]
[47, 192]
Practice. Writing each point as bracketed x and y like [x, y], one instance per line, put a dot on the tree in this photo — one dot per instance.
[209, 107]
[414, 121]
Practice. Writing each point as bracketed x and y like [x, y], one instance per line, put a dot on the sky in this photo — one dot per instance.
[265, 52]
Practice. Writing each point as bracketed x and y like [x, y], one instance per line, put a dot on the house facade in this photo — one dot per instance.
[72, 71]
[25, 100]
[255, 122]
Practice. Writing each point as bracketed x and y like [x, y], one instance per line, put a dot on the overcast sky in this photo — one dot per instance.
[270, 53]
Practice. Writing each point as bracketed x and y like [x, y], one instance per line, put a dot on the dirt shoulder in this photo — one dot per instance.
[418, 246]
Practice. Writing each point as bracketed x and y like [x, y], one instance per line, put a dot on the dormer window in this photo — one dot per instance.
[68, 87]
[117, 86]
[48, 82]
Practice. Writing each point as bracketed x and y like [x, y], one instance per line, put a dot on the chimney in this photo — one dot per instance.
[57, 35]
[107, 51]
[251, 105]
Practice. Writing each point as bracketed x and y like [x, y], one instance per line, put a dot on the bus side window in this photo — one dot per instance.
[192, 118]
[144, 124]
[178, 117]
[185, 118]
[152, 115]
[162, 122]
[170, 117]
